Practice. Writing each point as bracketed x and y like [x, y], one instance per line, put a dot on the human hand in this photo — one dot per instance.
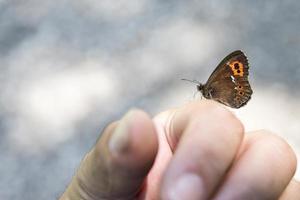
[198, 151]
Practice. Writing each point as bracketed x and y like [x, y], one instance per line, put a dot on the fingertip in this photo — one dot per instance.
[280, 148]
[134, 141]
[123, 156]
[263, 155]
[144, 140]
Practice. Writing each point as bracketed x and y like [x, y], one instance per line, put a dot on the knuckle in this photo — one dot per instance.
[224, 116]
[279, 147]
[284, 151]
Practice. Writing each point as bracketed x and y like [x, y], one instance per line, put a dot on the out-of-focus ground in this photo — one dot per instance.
[70, 67]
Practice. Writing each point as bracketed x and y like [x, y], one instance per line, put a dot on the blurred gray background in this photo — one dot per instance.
[70, 67]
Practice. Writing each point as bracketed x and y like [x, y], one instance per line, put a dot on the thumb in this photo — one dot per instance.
[117, 165]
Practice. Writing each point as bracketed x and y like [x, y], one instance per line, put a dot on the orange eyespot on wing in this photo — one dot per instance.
[237, 68]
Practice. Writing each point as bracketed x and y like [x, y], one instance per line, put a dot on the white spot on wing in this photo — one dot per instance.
[232, 78]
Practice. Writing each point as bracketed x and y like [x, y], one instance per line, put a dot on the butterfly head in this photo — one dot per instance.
[204, 91]
[200, 87]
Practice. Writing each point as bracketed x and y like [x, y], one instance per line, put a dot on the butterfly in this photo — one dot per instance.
[228, 83]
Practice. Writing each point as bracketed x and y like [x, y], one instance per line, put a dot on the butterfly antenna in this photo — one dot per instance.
[192, 81]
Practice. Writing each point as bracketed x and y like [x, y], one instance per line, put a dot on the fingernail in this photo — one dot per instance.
[119, 140]
[188, 186]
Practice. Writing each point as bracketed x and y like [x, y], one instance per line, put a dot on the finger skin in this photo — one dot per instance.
[263, 169]
[205, 137]
[164, 155]
[292, 191]
[182, 117]
[117, 171]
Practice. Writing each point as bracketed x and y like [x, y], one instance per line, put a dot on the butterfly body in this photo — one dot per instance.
[228, 84]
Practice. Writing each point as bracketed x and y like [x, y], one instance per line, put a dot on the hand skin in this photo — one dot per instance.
[198, 151]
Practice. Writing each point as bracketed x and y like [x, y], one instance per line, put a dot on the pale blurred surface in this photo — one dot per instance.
[70, 67]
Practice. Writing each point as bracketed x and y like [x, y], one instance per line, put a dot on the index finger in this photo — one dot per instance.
[179, 119]
[205, 138]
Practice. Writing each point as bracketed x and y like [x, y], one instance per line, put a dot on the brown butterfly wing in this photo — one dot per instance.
[229, 83]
